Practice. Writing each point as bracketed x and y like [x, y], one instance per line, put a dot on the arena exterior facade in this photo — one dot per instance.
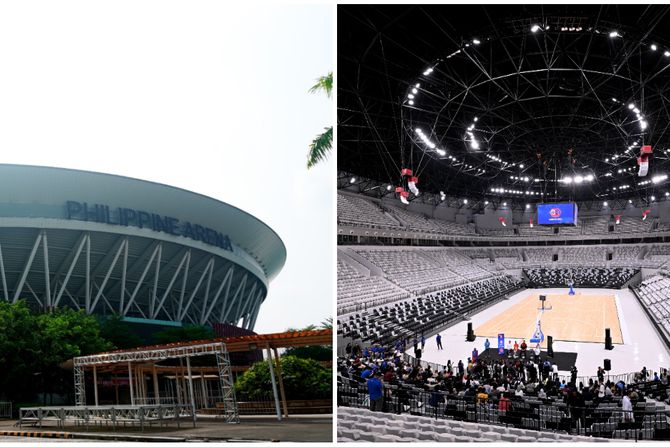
[149, 252]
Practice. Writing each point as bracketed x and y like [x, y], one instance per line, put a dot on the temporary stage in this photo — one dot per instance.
[180, 397]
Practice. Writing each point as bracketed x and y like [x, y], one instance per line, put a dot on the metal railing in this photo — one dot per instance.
[6, 410]
[606, 419]
[628, 378]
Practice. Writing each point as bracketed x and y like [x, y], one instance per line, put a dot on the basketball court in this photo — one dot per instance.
[576, 323]
[582, 317]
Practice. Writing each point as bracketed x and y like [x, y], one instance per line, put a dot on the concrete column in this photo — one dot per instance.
[204, 390]
[155, 377]
[281, 383]
[274, 383]
[95, 384]
[190, 386]
[130, 380]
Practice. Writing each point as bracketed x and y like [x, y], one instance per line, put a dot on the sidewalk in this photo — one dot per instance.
[298, 428]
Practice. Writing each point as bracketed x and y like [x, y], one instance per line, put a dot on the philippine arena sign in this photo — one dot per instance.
[143, 219]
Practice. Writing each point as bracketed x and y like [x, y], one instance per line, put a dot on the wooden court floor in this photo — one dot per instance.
[580, 318]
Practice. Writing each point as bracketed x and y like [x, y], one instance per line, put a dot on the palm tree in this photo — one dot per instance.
[323, 143]
[327, 324]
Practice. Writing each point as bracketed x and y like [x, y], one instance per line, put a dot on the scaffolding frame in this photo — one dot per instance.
[230, 410]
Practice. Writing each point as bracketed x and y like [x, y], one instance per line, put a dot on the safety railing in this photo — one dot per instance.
[5, 410]
[603, 419]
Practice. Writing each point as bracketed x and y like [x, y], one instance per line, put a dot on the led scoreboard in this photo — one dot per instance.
[557, 214]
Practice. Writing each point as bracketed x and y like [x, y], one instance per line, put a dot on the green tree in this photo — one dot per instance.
[321, 146]
[66, 333]
[63, 334]
[303, 379]
[19, 349]
[327, 323]
[184, 333]
[318, 353]
[120, 334]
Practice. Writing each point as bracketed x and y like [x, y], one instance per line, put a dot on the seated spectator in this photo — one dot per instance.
[503, 403]
[482, 396]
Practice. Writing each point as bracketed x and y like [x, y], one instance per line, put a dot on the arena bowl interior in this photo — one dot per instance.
[506, 103]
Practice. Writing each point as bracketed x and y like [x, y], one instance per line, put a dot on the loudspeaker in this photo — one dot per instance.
[471, 334]
[608, 365]
[608, 339]
[550, 348]
[543, 297]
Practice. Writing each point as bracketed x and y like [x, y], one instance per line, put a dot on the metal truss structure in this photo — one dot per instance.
[133, 276]
[229, 409]
[141, 415]
[506, 103]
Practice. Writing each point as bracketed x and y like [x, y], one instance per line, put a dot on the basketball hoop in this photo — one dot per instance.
[543, 300]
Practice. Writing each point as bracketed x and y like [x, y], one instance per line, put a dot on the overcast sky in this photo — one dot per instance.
[206, 96]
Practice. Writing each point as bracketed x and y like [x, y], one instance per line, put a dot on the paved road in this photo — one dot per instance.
[40, 440]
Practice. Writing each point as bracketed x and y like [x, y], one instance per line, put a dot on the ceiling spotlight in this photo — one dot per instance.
[653, 47]
[579, 179]
[504, 203]
[474, 145]
[667, 194]
[535, 28]
[417, 85]
[388, 187]
[418, 130]
[520, 166]
[353, 180]
[475, 120]
[604, 203]
[631, 106]
[589, 178]
[614, 34]
[476, 42]
[643, 124]
[441, 152]
[666, 54]
[659, 178]
[465, 201]
[415, 91]
[653, 198]
[527, 205]
[487, 202]
[567, 180]
[410, 102]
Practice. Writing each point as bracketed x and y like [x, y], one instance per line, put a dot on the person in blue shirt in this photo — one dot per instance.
[423, 342]
[439, 341]
[656, 378]
[367, 373]
[487, 344]
[375, 389]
